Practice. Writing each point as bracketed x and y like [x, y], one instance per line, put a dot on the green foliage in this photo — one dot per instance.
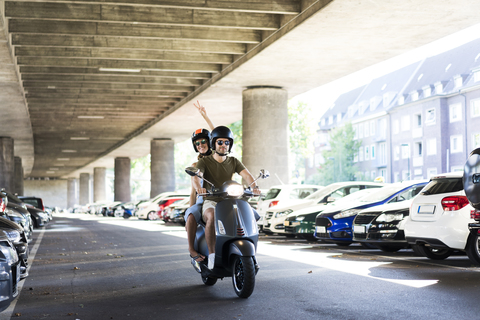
[237, 128]
[301, 133]
[140, 178]
[339, 165]
[185, 156]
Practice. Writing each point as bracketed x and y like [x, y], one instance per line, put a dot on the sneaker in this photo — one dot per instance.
[211, 261]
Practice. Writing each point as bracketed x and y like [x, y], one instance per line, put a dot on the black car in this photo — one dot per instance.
[17, 237]
[37, 203]
[17, 212]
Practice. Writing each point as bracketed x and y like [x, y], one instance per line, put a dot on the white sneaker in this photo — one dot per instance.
[211, 261]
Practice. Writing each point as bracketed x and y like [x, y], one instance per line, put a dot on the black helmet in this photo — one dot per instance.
[221, 132]
[199, 134]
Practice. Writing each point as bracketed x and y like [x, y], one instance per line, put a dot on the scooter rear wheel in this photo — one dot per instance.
[243, 276]
[209, 281]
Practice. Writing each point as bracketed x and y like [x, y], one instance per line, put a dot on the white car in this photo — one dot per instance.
[275, 216]
[277, 194]
[149, 210]
[439, 217]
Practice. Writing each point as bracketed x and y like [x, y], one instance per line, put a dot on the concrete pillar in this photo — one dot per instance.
[162, 166]
[122, 179]
[84, 197]
[99, 184]
[265, 133]
[18, 177]
[7, 164]
[71, 192]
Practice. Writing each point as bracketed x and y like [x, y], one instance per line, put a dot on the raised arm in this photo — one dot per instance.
[247, 176]
[203, 112]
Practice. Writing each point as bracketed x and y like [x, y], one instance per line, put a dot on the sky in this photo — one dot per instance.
[330, 91]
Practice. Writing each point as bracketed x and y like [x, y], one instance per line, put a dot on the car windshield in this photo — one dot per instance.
[383, 193]
[272, 194]
[322, 193]
[354, 196]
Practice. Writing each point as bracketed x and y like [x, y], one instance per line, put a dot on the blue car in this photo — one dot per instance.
[335, 224]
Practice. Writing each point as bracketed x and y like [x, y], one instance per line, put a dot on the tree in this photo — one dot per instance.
[237, 128]
[339, 165]
[301, 134]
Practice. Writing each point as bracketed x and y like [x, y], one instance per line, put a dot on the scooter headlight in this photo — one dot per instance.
[235, 190]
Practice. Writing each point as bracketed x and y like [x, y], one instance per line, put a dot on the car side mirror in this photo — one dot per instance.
[330, 199]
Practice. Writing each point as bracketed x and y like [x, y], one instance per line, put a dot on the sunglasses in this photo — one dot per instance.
[203, 141]
[220, 142]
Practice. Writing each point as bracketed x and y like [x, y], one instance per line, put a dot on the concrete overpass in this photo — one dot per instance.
[91, 81]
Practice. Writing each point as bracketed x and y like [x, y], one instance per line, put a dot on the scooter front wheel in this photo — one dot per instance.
[243, 276]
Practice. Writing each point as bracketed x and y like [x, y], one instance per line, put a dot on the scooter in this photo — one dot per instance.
[236, 237]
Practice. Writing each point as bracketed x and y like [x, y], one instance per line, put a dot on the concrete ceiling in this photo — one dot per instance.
[63, 62]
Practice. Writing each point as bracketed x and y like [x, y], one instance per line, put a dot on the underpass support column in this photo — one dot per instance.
[99, 184]
[18, 176]
[162, 166]
[265, 133]
[84, 189]
[122, 179]
[71, 192]
[7, 164]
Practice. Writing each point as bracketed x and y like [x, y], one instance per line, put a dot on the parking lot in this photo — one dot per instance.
[92, 267]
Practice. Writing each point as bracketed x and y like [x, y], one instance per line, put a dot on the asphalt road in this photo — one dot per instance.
[86, 267]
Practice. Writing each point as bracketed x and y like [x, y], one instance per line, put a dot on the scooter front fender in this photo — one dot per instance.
[241, 248]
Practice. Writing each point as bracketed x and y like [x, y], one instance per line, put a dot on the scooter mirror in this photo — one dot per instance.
[192, 171]
[264, 174]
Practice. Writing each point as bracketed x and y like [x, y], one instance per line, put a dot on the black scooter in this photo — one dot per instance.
[236, 237]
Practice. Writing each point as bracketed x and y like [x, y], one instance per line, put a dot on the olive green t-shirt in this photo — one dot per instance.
[216, 172]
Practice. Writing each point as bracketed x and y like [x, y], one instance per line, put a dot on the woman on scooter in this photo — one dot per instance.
[201, 145]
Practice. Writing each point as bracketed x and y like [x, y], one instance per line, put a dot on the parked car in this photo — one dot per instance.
[163, 214]
[383, 226]
[285, 192]
[335, 225]
[281, 218]
[439, 218]
[150, 210]
[37, 203]
[17, 237]
[39, 217]
[107, 208]
[17, 212]
[176, 211]
[10, 265]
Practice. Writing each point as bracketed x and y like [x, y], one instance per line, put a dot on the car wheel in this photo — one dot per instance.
[473, 247]
[435, 253]
[385, 248]
[152, 215]
[416, 250]
[367, 245]
[343, 244]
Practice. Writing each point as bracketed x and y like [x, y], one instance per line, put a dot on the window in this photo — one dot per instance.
[418, 149]
[372, 128]
[360, 131]
[458, 81]
[401, 100]
[430, 117]
[355, 132]
[395, 127]
[367, 130]
[475, 107]
[405, 123]
[367, 153]
[418, 120]
[339, 117]
[431, 147]
[382, 128]
[475, 140]
[455, 112]
[373, 175]
[383, 173]
[330, 120]
[427, 91]
[322, 123]
[456, 144]
[396, 155]
[372, 151]
[360, 154]
[431, 172]
[382, 153]
[414, 95]
[396, 177]
[405, 151]
[438, 88]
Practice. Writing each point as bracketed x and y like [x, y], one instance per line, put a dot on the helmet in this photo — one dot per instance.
[199, 134]
[221, 132]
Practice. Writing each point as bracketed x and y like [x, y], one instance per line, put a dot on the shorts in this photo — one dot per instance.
[195, 210]
[208, 204]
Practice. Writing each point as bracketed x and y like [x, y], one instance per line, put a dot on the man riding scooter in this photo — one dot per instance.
[218, 168]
